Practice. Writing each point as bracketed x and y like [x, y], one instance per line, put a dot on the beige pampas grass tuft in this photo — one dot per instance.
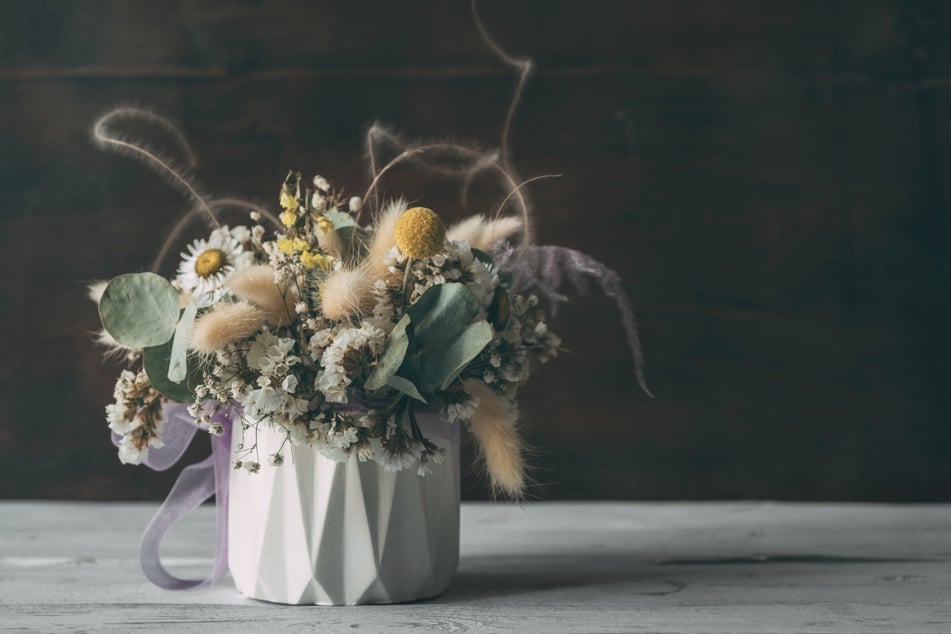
[384, 237]
[96, 289]
[346, 293]
[481, 233]
[224, 324]
[113, 349]
[255, 284]
[494, 426]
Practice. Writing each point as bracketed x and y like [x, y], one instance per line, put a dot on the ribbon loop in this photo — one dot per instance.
[195, 484]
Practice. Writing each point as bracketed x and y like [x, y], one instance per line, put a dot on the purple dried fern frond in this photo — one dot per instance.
[551, 272]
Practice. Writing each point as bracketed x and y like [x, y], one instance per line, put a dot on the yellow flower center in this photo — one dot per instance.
[209, 262]
[420, 233]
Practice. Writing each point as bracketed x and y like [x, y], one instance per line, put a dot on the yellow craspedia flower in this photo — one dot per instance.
[289, 218]
[288, 201]
[325, 224]
[310, 259]
[420, 233]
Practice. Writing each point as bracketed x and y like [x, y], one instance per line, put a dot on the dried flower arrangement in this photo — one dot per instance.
[346, 317]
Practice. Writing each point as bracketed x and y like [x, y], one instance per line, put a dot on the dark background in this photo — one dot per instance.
[768, 178]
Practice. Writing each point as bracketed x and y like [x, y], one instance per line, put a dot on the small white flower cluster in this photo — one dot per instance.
[274, 393]
[505, 362]
[456, 264]
[459, 406]
[340, 359]
[395, 451]
[136, 415]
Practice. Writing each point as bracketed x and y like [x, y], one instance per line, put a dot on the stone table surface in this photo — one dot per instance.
[543, 567]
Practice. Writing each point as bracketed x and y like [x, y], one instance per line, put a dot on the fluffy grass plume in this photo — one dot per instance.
[481, 233]
[494, 426]
[96, 289]
[255, 285]
[224, 324]
[384, 237]
[346, 293]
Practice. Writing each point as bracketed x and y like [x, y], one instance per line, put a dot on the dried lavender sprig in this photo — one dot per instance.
[550, 271]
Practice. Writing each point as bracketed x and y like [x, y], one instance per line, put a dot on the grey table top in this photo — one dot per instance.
[546, 567]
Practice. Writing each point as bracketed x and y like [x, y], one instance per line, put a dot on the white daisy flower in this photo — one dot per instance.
[207, 265]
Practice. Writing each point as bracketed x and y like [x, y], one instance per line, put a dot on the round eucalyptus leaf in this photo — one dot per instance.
[139, 310]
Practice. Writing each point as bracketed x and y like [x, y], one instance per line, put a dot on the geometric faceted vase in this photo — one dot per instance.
[316, 531]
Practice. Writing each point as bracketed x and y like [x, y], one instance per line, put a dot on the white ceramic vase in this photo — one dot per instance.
[315, 531]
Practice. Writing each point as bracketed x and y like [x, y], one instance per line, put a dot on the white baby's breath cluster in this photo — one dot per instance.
[135, 416]
[506, 361]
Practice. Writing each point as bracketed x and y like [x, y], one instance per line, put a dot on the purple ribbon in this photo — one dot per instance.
[195, 484]
[198, 482]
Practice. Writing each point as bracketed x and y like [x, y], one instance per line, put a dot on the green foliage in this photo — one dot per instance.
[156, 362]
[139, 310]
[433, 342]
[394, 351]
[341, 219]
[177, 368]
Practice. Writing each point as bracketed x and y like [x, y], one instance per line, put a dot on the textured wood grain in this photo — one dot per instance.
[769, 181]
[608, 567]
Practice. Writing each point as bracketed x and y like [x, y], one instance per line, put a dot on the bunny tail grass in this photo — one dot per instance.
[494, 426]
[225, 324]
[384, 237]
[481, 233]
[255, 285]
[346, 293]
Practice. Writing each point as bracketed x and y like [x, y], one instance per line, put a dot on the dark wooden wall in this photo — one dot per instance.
[770, 179]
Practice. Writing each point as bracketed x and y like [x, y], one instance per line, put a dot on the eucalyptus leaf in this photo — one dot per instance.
[139, 310]
[177, 367]
[442, 312]
[443, 369]
[394, 350]
[406, 387]
[433, 342]
[341, 219]
[156, 361]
